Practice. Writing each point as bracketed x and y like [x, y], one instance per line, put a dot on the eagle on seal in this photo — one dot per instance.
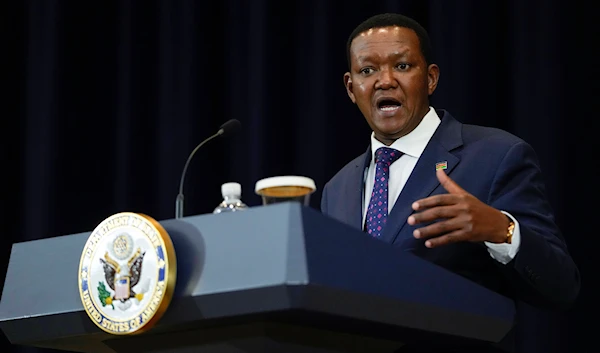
[122, 283]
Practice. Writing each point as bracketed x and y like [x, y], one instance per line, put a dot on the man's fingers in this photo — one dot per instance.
[446, 239]
[448, 183]
[439, 228]
[432, 214]
[436, 200]
[443, 199]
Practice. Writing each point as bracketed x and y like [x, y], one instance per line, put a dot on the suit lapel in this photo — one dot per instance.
[422, 180]
[355, 195]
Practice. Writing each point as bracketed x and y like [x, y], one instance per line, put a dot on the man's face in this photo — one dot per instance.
[390, 81]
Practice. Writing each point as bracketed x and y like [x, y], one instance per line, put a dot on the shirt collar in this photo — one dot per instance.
[414, 143]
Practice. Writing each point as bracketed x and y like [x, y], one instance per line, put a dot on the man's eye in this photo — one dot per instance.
[366, 70]
[403, 66]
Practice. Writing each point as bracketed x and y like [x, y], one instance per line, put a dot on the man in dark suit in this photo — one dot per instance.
[468, 198]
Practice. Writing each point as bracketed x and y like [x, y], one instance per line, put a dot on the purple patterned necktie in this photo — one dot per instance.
[378, 206]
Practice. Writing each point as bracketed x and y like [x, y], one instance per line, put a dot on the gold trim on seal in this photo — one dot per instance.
[160, 301]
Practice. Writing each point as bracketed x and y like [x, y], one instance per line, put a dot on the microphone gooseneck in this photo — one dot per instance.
[227, 128]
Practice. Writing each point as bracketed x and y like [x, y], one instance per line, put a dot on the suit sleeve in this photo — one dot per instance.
[542, 272]
[324, 200]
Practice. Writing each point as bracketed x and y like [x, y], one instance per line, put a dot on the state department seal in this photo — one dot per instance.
[127, 273]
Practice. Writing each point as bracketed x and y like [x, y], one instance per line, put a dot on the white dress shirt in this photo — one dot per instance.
[412, 146]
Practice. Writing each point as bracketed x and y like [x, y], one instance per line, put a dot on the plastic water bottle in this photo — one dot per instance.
[232, 199]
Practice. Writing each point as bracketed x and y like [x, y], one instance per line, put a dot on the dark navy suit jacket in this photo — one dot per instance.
[499, 169]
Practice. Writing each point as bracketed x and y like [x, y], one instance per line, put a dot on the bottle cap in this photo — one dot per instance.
[231, 189]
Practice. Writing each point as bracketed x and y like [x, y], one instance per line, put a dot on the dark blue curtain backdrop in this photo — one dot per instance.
[106, 100]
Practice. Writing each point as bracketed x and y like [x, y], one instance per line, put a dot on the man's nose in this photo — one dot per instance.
[386, 79]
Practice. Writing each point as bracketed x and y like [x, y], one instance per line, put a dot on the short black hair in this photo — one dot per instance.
[390, 20]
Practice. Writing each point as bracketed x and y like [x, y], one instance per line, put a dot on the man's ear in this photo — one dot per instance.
[349, 88]
[433, 76]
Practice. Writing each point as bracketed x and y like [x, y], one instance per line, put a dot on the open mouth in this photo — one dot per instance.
[388, 104]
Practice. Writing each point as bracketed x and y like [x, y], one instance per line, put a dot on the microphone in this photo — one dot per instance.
[227, 129]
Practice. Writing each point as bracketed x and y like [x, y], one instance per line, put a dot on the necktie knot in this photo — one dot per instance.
[386, 155]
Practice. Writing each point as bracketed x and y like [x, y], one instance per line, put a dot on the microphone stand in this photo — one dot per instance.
[179, 200]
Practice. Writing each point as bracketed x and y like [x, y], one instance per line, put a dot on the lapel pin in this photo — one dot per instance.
[441, 165]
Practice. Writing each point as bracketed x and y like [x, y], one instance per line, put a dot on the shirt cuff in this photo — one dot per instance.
[504, 252]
